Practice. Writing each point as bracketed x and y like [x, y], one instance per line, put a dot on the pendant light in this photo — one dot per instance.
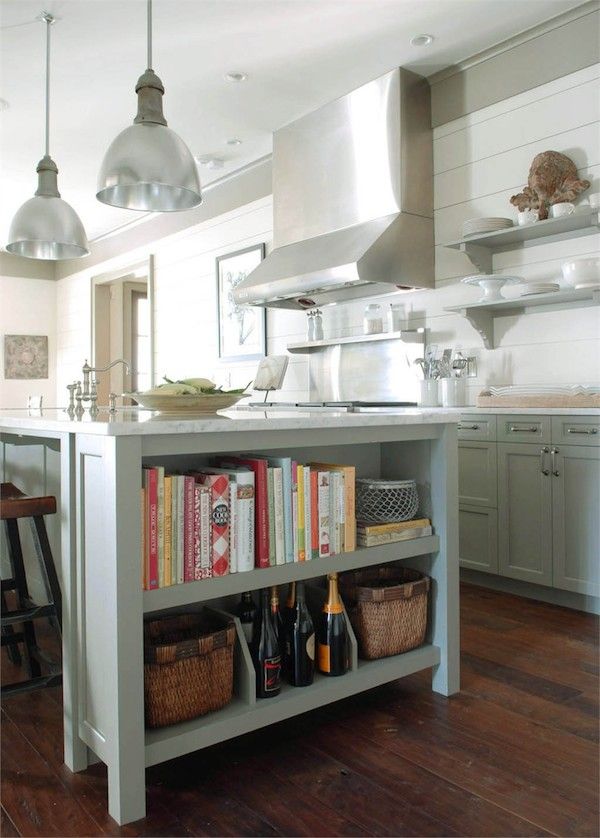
[46, 227]
[148, 166]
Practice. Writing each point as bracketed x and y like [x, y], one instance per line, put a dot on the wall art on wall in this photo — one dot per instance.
[25, 356]
[242, 329]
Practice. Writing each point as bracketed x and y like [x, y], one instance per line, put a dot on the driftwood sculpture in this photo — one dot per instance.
[552, 179]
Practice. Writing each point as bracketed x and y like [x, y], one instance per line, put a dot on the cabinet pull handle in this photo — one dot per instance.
[582, 430]
[532, 429]
[543, 451]
[553, 454]
[462, 427]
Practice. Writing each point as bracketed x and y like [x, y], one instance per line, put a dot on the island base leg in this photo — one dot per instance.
[126, 795]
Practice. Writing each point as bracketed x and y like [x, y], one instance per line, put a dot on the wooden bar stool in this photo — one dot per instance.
[14, 504]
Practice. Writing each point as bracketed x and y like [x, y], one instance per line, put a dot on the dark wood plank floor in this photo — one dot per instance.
[516, 753]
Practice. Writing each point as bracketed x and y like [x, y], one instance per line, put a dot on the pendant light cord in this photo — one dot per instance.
[49, 21]
[149, 34]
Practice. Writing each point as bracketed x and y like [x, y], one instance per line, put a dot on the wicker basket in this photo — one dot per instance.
[387, 607]
[385, 501]
[188, 667]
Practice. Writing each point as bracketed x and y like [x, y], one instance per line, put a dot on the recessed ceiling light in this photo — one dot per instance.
[421, 40]
[4, 105]
[234, 141]
[236, 76]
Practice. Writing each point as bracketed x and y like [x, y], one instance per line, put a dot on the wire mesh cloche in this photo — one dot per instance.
[385, 501]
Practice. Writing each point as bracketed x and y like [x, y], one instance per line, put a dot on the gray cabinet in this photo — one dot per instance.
[576, 518]
[477, 468]
[524, 512]
[478, 538]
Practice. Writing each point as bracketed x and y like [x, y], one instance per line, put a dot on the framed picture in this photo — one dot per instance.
[26, 356]
[242, 329]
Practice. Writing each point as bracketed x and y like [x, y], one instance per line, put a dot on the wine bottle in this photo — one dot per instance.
[246, 611]
[276, 615]
[266, 652]
[287, 617]
[301, 638]
[290, 605]
[332, 636]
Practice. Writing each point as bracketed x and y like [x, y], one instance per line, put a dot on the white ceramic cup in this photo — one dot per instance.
[594, 200]
[528, 216]
[562, 209]
[429, 396]
[454, 392]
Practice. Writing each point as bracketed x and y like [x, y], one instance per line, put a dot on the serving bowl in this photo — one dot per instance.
[203, 403]
[582, 273]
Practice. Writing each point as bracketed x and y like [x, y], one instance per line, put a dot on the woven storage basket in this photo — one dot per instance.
[188, 667]
[387, 607]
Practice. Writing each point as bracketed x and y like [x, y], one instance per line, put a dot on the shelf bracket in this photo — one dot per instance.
[482, 322]
[480, 257]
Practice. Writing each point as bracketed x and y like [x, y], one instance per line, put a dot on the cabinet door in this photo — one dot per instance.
[477, 473]
[524, 513]
[576, 519]
[478, 538]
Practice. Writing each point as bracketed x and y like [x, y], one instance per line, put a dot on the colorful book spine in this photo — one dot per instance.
[151, 478]
[143, 539]
[271, 517]
[245, 496]
[219, 515]
[334, 547]
[160, 523]
[349, 473]
[188, 530]
[314, 512]
[323, 512]
[261, 505]
[301, 541]
[205, 534]
[168, 530]
[295, 509]
[200, 492]
[396, 526]
[307, 515]
[285, 464]
[233, 524]
[179, 529]
[278, 516]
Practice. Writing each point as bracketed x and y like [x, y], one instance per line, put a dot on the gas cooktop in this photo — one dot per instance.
[346, 406]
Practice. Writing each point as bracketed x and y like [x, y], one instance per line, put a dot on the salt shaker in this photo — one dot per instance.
[310, 325]
[373, 319]
[318, 324]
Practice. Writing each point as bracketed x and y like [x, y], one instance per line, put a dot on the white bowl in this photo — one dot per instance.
[582, 273]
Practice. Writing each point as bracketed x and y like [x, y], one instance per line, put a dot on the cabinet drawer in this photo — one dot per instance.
[477, 427]
[523, 428]
[477, 473]
[576, 430]
[478, 538]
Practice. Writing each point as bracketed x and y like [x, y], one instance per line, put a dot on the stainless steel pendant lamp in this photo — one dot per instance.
[46, 227]
[148, 166]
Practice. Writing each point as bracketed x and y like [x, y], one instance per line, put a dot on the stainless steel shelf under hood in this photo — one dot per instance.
[352, 200]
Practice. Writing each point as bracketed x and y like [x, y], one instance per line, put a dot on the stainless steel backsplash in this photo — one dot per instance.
[381, 370]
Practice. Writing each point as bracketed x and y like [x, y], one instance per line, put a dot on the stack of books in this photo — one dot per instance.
[243, 512]
[370, 535]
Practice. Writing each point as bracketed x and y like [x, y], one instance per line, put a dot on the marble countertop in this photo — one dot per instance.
[139, 422]
[511, 411]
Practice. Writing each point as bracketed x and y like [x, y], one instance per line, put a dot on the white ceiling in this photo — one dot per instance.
[298, 54]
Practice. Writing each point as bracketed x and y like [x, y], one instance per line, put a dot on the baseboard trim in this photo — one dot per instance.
[567, 599]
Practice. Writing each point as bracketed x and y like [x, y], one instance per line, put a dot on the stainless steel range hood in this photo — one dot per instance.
[352, 200]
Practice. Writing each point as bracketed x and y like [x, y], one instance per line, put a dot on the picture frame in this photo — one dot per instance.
[25, 357]
[242, 330]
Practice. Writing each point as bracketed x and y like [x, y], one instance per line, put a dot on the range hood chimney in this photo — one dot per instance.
[352, 200]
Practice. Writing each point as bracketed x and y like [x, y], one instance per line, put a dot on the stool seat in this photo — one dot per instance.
[16, 504]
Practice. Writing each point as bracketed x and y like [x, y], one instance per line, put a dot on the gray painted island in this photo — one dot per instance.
[94, 467]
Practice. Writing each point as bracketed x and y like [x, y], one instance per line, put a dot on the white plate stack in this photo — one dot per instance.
[530, 289]
[478, 226]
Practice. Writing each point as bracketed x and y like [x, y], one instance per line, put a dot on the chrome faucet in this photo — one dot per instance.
[89, 391]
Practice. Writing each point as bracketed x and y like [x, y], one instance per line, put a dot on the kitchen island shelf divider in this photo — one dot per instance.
[236, 583]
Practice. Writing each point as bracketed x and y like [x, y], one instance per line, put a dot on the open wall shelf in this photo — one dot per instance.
[482, 315]
[480, 249]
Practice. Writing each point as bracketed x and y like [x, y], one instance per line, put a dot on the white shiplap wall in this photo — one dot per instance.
[480, 161]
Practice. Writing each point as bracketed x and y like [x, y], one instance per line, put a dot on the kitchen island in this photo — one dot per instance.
[94, 465]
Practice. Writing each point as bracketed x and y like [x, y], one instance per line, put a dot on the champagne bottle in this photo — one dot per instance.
[332, 636]
[246, 611]
[301, 643]
[266, 653]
